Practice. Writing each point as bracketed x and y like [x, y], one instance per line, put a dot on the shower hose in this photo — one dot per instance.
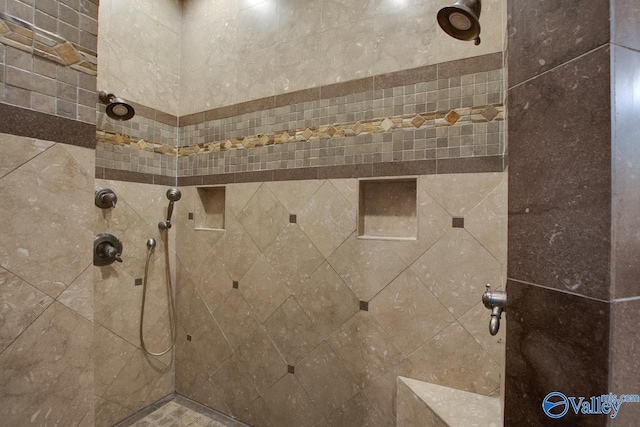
[172, 315]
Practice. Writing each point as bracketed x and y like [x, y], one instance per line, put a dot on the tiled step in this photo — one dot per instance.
[422, 404]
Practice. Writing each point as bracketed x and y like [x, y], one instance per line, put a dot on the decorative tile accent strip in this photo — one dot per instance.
[26, 37]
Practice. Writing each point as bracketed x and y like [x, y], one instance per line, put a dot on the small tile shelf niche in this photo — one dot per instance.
[388, 209]
[209, 209]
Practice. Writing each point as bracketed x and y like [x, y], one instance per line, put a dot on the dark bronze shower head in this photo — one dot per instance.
[462, 20]
[117, 108]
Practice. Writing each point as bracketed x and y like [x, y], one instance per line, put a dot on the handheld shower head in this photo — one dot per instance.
[173, 194]
[462, 20]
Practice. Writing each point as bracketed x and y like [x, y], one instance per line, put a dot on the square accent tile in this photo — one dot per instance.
[138, 282]
[191, 215]
[291, 369]
[236, 284]
[188, 337]
[293, 219]
[364, 306]
[458, 223]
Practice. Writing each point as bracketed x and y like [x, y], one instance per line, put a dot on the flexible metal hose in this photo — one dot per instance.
[172, 315]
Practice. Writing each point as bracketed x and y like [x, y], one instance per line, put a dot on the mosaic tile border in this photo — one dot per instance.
[26, 37]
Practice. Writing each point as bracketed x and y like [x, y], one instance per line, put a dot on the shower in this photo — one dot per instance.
[117, 108]
[173, 194]
[462, 20]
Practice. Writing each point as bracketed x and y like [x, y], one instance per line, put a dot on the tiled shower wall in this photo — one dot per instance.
[287, 318]
[46, 284]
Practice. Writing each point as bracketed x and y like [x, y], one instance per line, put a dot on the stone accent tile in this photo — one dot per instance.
[366, 266]
[18, 151]
[325, 379]
[262, 361]
[212, 281]
[235, 319]
[533, 49]
[476, 322]
[567, 350]
[327, 219]
[263, 289]
[357, 412]
[61, 378]
[456, 269]
[292, 331]
[364, 348]
[289, 405]
[237, 195]
[413, 411]
[20, 305]
[563, 215]
[327, 300]
[263, 217]
[237, 388]
[79, 295]
[294, 194]
[293, 257]
[236, 241]
[48, 172]
[409, 313]
[487, 222]
[454, 359]
[383, 392]
[460, 193]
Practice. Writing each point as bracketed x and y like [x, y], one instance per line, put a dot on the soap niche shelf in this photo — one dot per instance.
[210, 208]
[388, 209]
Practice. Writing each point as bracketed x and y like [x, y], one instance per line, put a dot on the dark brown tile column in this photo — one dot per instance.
[560, 207]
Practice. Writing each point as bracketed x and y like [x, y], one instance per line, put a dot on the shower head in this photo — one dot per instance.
[117, 108]
[462, 20]
[173, 194]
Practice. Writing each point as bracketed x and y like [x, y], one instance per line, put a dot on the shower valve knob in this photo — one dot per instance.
[105, 198]
[107, 249]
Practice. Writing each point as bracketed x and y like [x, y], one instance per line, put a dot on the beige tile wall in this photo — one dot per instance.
[292, 345]
[126, 379]
[46, 291]
[139, 50]
[235, 51]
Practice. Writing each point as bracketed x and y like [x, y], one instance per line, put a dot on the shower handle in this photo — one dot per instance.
[496, 301]
[106, 250]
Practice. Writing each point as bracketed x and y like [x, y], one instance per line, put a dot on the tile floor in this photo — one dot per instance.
[173, 414]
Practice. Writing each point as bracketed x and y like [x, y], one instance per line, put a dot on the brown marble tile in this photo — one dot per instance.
[257, 176]
[167, 119]
[295, 174]
[471, 165]
[191, 119]
[476, 64]
[33, 124]
[220, 113]
[624, 361]
[305, 95]
[560, 192]
[346, 88]
[543, 35]
[121, 175]
[225, 178]
[406, 77]
[555, 342]
[351, 171]
[625, 256]
[256, 105]
[417, 167]
[143, 110]
[164, 180]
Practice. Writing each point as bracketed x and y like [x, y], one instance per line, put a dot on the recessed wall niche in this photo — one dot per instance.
[209, 210]
[387, 209]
